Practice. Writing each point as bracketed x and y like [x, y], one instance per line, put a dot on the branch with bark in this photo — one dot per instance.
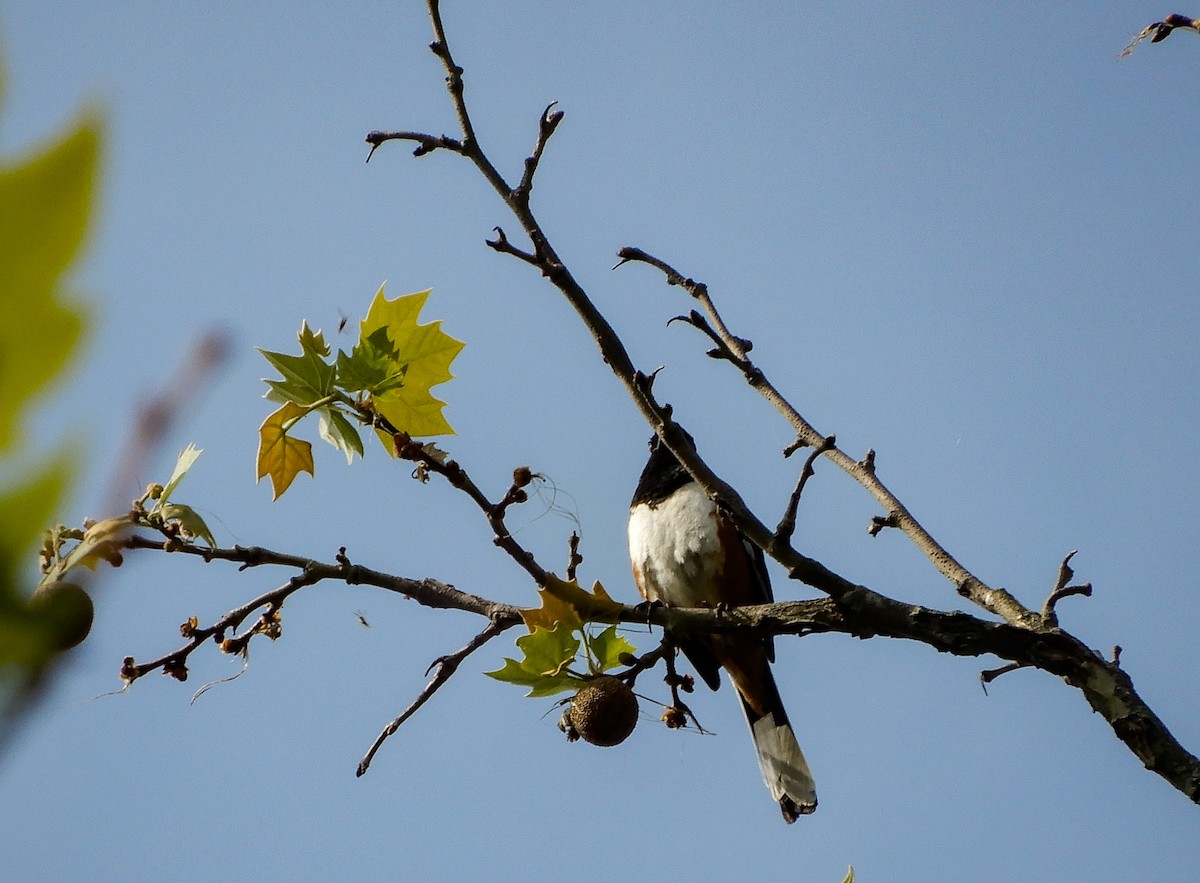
[1006, 628]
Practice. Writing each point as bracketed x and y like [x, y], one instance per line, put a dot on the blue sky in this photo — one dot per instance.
[962, 240]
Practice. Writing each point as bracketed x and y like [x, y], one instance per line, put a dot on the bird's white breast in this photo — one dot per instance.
[673, 546]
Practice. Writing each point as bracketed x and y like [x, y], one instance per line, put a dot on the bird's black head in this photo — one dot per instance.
[663, 472]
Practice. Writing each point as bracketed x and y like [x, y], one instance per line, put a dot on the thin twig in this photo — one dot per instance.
[425, 143]
[989, 675]
[407, 449]
[446, 666]
[546, 125]
[1062, 590]
[787, 524]
[502, 245]
[854, 608]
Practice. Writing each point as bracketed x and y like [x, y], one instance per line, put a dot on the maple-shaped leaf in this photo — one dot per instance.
[423, 355]
[279, 455]
[547, 653]
[307, 377]
[593, 606]
[606, 649]
[372, 366]
[553, 610]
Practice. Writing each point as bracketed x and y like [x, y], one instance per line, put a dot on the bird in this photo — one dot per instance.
[687, 553]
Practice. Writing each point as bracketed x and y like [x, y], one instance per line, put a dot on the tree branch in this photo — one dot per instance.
[446, 666]
[1025, 637]
[994, 600]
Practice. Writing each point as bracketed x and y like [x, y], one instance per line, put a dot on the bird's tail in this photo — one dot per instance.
[783, 766]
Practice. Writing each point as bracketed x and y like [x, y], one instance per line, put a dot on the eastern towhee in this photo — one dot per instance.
[687, 553]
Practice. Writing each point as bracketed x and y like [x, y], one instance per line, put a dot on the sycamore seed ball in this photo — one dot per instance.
[604, 711]
[69, 610]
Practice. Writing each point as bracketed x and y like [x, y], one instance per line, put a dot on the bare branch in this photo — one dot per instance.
[407, 449]
[446, 666]
[502, 245]
[997, 601]
[1023, 638]
[425, 143]
[787, 525]
[989, 675]
[574, 559]
[427, 592]
[1062, 590]
[1161, 30]
[546, 125]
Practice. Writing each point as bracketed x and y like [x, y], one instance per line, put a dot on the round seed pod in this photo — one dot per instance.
[604, 711]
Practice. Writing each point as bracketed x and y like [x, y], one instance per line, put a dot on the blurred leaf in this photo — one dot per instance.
[27, 509]
[101, 542]
[849, 878]
[340, 433]
[279, 455]
[45, 213]
[45, 207]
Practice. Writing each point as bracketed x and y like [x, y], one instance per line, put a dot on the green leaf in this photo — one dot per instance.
[27, 509]
[341, 433]
[605, 649]
[849, 878]
[543, 668]
[191, 525]
[373, 365]
[187, 457]
[307, 378]
[279, 455]
[45, 208]
[312, 343]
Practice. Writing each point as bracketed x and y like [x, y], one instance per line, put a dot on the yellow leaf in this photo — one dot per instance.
[553, 611]
[593, 606]
[413, 411]
[279, 455]
[101, 542]
[424, 353]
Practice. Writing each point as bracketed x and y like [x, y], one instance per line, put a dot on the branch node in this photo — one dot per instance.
[787, 524]
[879, 522]
[1062, 590]
[986, 677]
